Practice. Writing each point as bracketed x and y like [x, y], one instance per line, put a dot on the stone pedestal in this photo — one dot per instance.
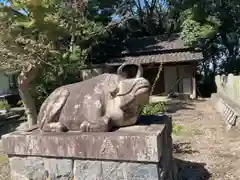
[140, 152]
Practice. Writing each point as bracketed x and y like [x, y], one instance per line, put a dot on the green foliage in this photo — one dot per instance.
[50, 31]
[153, 108]
[214, 26]
[59, 34]
[156, 108]
[20, 103]
[4, 105]
[194, 30]
[176, 128]
[27, 38]
[75, 50]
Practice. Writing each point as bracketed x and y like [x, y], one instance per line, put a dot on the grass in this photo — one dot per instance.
[4, 105]
[176, 128]
[159, 107]
[197, 132]
[3, 159]
[153, 108]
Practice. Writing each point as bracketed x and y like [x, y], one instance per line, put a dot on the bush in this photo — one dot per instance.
[153, 108]
[156, 108]
[4, 105]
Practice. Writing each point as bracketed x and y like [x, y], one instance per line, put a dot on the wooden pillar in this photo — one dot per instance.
[194, 83]
[178, 76]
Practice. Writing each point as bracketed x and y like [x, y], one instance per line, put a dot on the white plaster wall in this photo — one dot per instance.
[229, 85]
[170, 78]
[187, 85]
[4, 83]
[185, 71]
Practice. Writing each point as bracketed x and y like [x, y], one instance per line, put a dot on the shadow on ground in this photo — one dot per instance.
[11, 121]
[188, 170]
[9, 127]
[183, 148]
[174, 107]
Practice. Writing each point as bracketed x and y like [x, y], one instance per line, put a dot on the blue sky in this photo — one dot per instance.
[3, 1]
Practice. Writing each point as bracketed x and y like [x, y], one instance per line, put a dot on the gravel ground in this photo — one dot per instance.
[204, 149]
[4, 167]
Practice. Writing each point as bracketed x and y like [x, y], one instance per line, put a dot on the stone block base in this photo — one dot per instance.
[25, 168]
[140, 152]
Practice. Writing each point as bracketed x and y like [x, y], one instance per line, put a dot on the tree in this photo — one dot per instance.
[36, 34]
[149, 17]
[214, 27]
[54, 37]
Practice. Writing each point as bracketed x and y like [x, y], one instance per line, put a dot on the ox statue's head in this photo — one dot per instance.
[128, 97]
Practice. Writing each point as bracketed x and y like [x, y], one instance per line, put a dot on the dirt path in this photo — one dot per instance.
[4, 167]
[213, 152]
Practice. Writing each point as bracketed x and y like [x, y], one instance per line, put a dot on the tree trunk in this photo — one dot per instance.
[24, 79]
[29, 106]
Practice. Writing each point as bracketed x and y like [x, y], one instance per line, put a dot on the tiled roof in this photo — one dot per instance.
[158, 58]
[156, 49]
[153, 44]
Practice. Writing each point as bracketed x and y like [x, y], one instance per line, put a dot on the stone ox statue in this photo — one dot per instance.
[95, 105]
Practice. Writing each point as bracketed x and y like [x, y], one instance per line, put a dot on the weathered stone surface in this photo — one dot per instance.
[92, 170]
[140, 152]
[228, 86]
[98, 104]
[37, 168]
[134, 143]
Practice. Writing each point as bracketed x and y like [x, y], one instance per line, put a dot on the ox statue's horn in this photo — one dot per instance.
[139, 71]
[120, 69]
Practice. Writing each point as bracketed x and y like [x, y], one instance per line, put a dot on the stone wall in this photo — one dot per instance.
[229, 86]
[227, 99]
[139, 152]
[228, 110]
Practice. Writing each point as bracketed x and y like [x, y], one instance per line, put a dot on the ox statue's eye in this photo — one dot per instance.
[139, 82]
